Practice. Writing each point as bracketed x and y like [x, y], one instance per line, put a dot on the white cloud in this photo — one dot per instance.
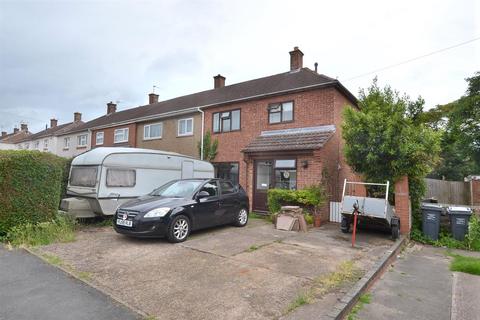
[61, 57]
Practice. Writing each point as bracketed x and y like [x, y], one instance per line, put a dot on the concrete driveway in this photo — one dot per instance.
[255, 272]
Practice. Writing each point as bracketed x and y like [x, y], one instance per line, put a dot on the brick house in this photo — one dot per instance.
[285, 132]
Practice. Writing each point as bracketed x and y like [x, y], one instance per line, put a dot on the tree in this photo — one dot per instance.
[386, 140]
[460, 128]
[209, 147]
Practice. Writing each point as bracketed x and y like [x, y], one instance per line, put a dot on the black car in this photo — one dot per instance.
[180, 206]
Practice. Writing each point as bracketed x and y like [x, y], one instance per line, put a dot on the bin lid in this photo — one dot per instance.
[461, 210]
[432, 206]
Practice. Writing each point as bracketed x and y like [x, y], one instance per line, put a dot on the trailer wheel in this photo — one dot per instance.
[345, 225]
[395, 223]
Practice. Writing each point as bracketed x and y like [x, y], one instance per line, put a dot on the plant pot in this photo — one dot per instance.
[317, 221]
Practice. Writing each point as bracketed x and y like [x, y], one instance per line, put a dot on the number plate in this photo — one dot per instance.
[125, 223]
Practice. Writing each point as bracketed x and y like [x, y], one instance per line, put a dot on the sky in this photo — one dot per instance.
[59, 57]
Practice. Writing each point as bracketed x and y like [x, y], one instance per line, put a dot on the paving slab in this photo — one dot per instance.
[465, 296]
[33, 289]
[418, 286]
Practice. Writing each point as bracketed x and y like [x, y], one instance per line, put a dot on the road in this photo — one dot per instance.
[32, 289]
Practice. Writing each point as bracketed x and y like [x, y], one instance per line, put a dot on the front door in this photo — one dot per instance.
[263, 182]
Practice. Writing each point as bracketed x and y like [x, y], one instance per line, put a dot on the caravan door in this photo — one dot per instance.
[187, 169]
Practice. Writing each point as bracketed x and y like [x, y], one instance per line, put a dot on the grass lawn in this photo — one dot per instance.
[465, 264]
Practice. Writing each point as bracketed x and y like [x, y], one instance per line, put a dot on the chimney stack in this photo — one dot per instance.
[24, 127]
[77, 116]
[111, 107]
[152, 98]
[218, 81]
[53, 123]
[296, 59]
[4, 133]
[15, 130]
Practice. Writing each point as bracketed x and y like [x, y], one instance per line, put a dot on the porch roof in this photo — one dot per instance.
[310, 138]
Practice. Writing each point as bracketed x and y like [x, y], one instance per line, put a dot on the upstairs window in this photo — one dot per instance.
[152, 131]
[280, 112]
[99, 138]
[120, 135]
[82, 140]
[185, 127]
[66, 142]
[226, 121]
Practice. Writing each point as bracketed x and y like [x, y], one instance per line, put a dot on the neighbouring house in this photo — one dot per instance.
[48, 140]
[73, 140]
[8, 140]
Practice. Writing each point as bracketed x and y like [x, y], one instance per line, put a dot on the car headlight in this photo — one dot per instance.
[155, 213]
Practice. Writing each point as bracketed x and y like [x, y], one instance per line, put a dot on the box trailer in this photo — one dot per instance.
[103, 178]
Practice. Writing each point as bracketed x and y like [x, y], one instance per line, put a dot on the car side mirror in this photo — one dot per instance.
[202, 194]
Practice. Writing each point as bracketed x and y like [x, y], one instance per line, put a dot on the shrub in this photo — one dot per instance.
[59, 229]
[311, 198]
[473, 236]
[30, 187]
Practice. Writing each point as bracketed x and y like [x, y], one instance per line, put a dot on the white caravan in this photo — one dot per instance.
[103, 178]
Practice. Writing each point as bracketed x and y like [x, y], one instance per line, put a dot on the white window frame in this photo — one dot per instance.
[66, 143]
[186, 133]
[27, 146]
[101, 133]
[80, 140]
[37, 145]
[125, 136]
[149, 126]
[45, 144]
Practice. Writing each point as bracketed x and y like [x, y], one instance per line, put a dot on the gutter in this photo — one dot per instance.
[203, 128]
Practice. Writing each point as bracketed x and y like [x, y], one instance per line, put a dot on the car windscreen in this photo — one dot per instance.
[83, 176]
[177, 189]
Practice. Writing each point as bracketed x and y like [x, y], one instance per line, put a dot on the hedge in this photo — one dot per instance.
[310, 198]
[30, 187]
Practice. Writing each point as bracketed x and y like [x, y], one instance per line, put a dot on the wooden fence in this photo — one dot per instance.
[448, 192]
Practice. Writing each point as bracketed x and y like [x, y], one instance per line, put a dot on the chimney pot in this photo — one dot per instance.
[53, 123]
[218, 81]
[24, 127]
[111, 107]
[152, 98]
[15, 130]
[296, 59]
[77, 116]
[4, 133]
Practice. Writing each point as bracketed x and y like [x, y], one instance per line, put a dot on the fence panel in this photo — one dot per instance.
[335, 215]
[448, 192]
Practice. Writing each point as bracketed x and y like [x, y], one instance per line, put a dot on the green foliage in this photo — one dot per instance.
[210, 148]
[445, 239]
[309, 219]
[59, 229]
[362, 301]
[386, 140]
[311, 198]
[30, 187]
[458, 122]
[465, 264]
[473, 236]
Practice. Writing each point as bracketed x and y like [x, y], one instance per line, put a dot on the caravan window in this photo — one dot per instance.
[121, 178]
[83, 176]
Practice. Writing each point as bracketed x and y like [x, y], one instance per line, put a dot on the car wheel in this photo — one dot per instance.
[179, 229]
[242, 218]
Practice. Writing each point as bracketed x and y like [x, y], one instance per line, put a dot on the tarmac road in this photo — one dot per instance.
[32, 289]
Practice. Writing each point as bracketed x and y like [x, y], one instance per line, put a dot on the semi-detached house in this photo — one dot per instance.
[280, 131]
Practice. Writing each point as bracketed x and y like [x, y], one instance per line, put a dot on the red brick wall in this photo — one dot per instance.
[108, 134]
[475, 192]
[402, 204]
[311, 108]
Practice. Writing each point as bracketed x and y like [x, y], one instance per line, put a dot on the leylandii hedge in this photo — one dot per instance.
[30, 187]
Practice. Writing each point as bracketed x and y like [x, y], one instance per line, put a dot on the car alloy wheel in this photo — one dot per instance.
[180, 229]
[242, 218]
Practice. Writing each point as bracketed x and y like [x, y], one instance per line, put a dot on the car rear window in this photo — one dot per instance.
[83, 176]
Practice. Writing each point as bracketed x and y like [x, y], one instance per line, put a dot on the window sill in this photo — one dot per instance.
[123, 141]
[222, 132]
[283, 122]
[66, 149]
[185, 135]
[81, 147]
[99, 144]
[149, 139]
